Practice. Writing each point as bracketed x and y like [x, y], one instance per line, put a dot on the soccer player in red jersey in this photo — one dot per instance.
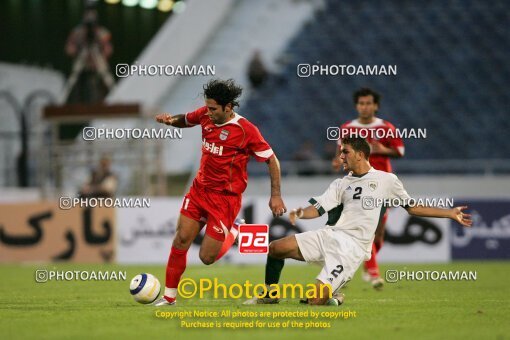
[214, 199]
[384, 144]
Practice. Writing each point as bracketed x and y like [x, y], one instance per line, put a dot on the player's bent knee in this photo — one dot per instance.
[207, 259]
[182, 242]
[273, 250]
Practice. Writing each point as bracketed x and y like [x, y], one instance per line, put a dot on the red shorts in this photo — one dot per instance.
[216, 209]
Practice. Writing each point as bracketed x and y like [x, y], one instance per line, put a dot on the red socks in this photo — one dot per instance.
[371, 265]
[174, 269]
[177, 264]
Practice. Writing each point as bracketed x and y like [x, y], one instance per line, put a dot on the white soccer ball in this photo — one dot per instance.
[145, 288]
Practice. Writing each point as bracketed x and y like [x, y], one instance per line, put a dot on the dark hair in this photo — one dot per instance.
[358, 144]
[223, 91]
[365, 91]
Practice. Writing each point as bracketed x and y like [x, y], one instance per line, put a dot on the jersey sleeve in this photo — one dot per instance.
[330, 199]
[193, 118]
[396, 142]
[398, 193]
[257, 145]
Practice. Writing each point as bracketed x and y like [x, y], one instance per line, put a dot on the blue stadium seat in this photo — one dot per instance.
[453, 73]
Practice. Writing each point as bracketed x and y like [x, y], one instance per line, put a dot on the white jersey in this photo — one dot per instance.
[354, 204]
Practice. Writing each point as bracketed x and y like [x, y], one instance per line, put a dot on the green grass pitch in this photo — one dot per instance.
[408, 309]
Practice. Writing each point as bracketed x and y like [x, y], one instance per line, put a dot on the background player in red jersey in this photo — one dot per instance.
[214, 199]
[382, 149]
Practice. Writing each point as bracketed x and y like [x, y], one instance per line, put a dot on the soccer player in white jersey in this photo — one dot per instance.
[353, 215]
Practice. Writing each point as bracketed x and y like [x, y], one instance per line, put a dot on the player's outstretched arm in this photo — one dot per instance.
[455, 214]
[177, 121]
[304, 213]
[275, 202]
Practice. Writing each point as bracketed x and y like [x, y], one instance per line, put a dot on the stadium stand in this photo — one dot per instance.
[451, 67]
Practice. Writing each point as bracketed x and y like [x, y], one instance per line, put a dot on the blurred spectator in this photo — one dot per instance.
[257, 72]
[329, 151]
[307, 159]
[102, 183]
[90, 46]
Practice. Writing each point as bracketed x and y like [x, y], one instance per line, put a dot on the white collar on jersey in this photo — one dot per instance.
[359, 176]
[232, 121]
[376, 122]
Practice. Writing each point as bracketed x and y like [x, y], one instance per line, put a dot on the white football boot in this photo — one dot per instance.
[262, 301]
[162, 302]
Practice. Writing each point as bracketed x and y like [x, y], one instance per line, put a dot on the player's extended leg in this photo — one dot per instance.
[285, 248]
[187, 230]
[323, 294]
[222, 225]
[371, 267]
[288, 247]
[279, 250]
[230, 238]
[209, 249]
[218, 238]
[274, 269]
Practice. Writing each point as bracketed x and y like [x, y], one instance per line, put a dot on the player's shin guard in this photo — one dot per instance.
[371, 265]
[274, 269]
[175, 267]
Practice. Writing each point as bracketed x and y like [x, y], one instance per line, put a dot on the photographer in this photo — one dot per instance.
[90, 46]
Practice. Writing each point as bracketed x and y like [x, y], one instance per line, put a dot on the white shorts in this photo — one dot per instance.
[335, 250]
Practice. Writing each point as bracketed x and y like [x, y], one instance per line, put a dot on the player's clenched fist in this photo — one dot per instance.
[277, 206]
[295, 214]
[165, 118]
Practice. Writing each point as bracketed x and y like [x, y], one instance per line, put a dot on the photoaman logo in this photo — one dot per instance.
[253, 239]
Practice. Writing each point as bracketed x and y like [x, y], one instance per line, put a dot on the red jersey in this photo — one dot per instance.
[379, 130]
[226, 149]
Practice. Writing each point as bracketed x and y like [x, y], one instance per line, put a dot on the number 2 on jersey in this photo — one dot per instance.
[357, 193]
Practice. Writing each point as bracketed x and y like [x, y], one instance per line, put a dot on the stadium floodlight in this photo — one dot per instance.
[179, 7]
[130, 3]
[148, 4]
[112, 2]
[165, 5]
